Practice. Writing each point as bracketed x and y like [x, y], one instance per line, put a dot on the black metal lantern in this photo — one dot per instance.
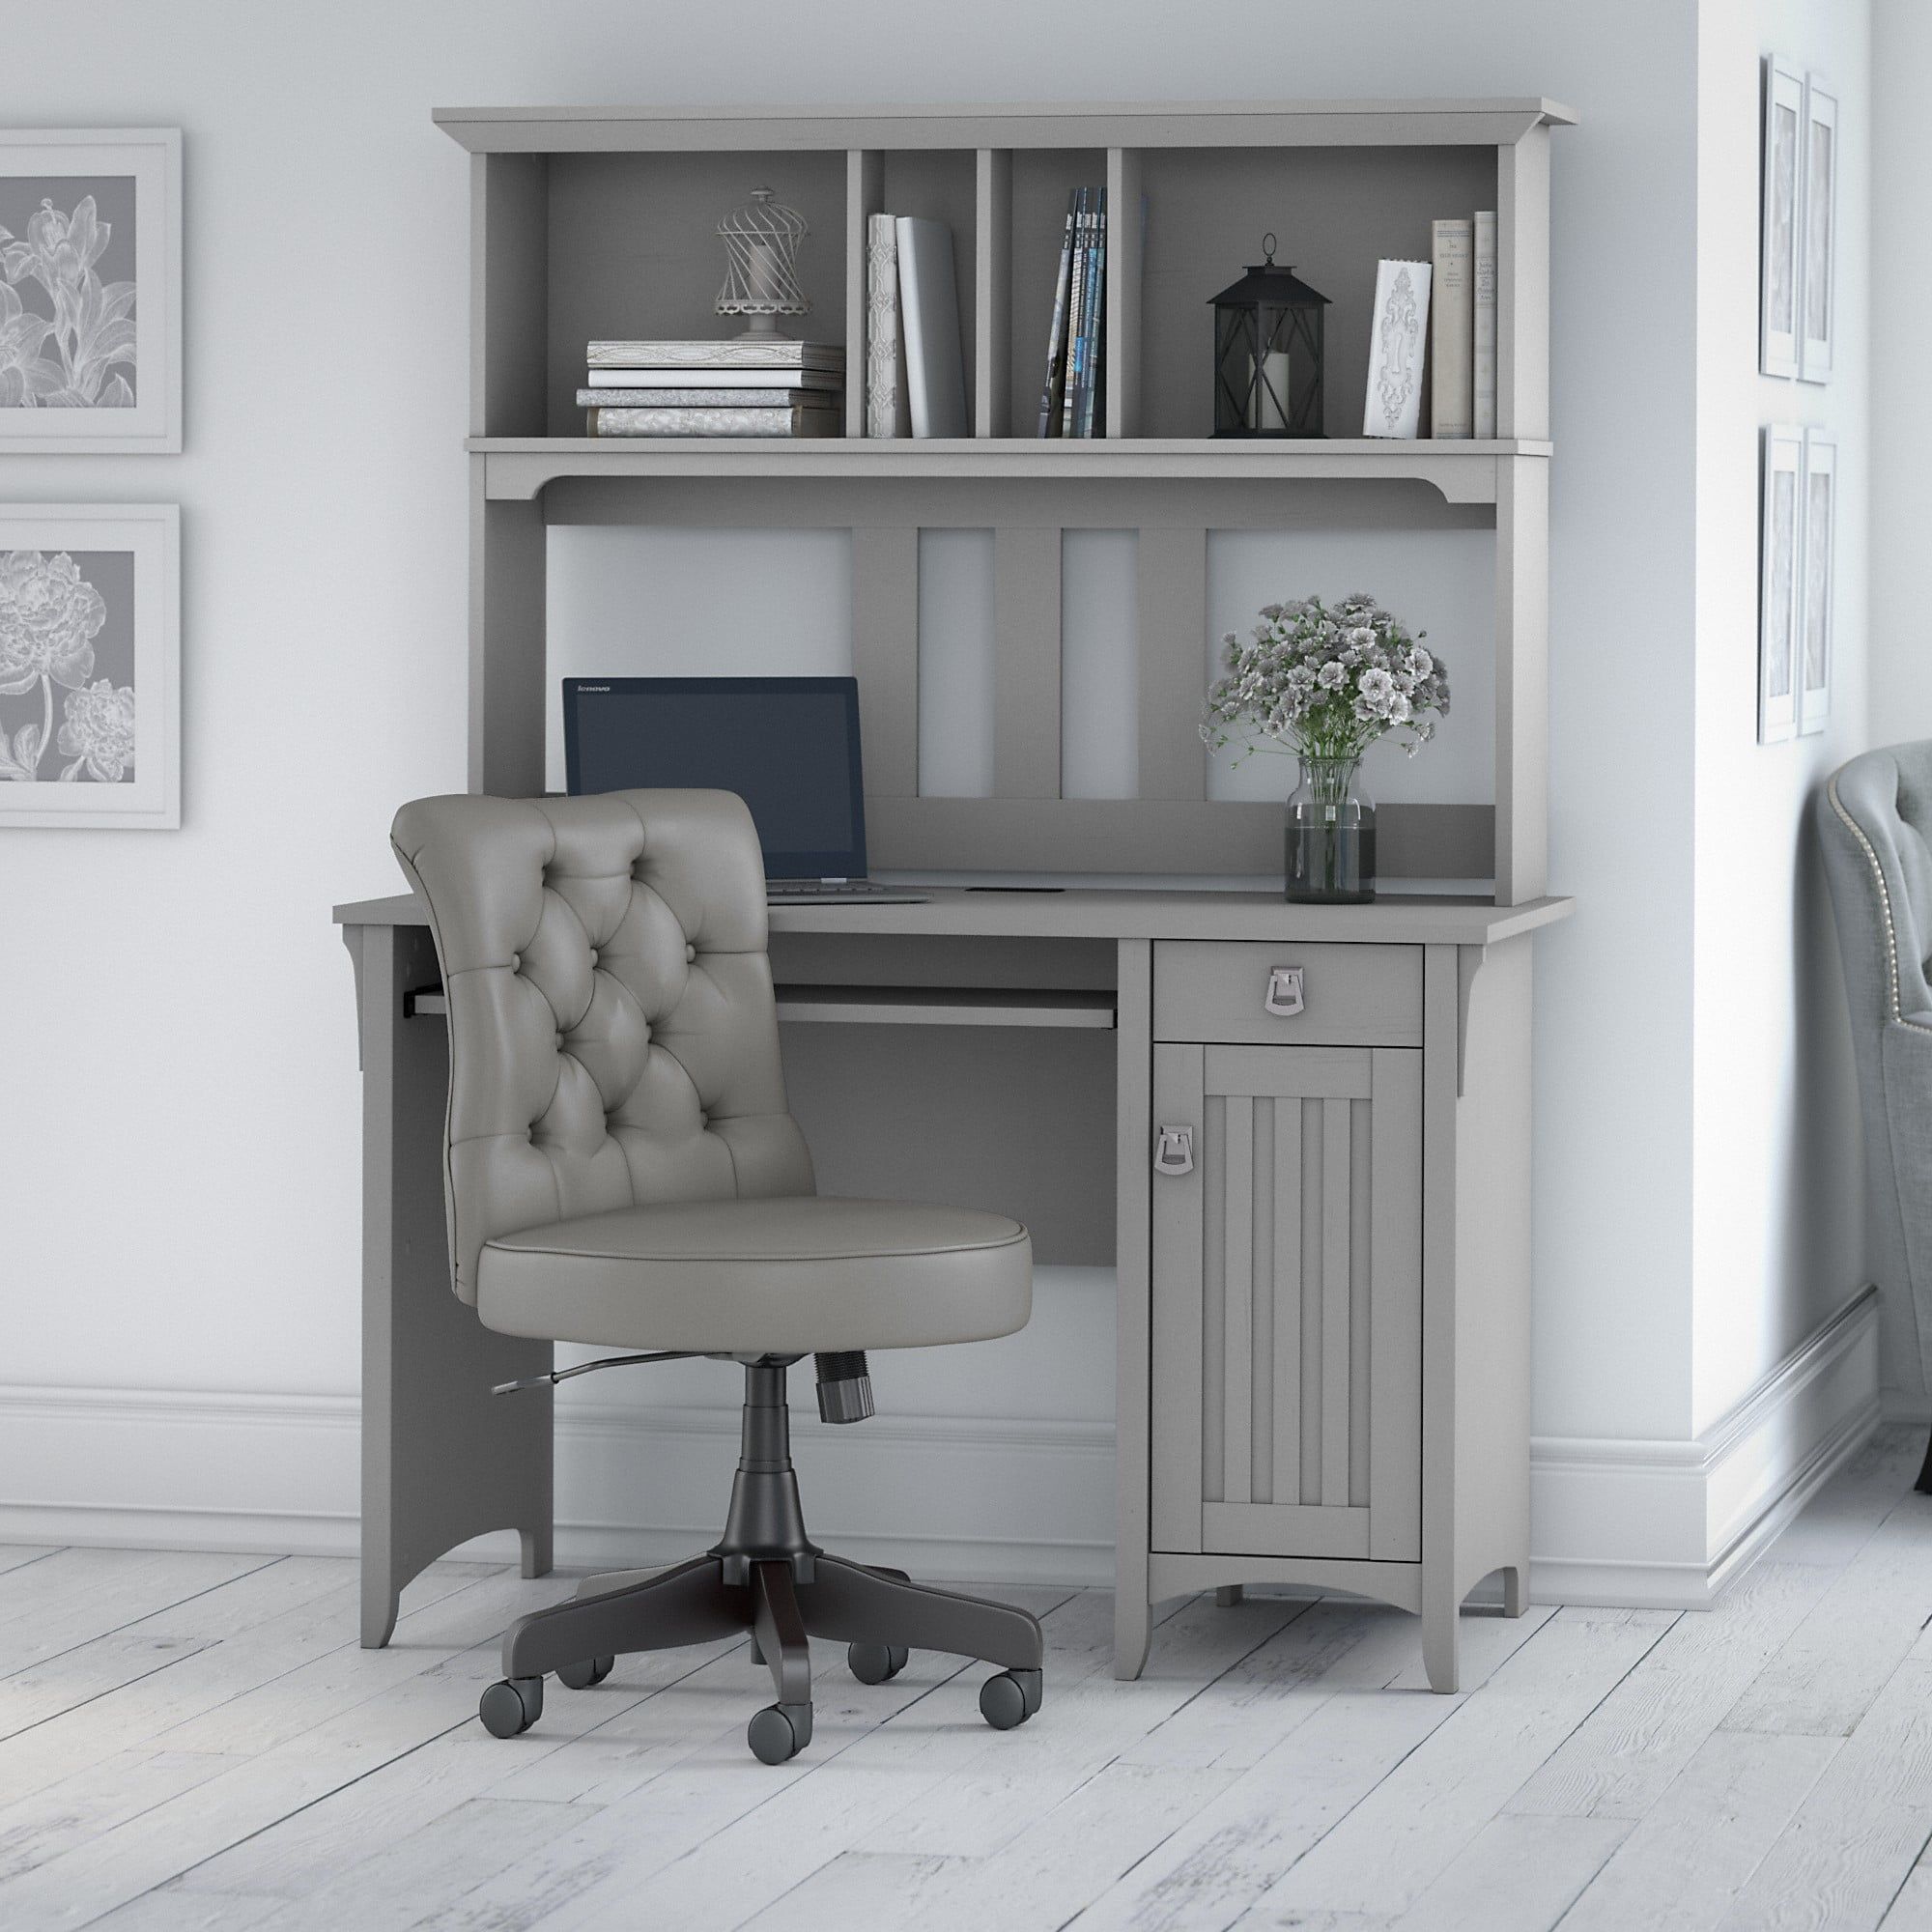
[1268, 353]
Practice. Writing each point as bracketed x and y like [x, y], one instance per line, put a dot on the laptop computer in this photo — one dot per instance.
[787, 746]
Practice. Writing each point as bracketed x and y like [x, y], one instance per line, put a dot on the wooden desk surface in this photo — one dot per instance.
[1085, 913]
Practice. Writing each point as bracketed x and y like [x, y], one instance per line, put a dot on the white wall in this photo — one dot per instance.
[181, 1197]
[1901, 430]
[1777, 1238]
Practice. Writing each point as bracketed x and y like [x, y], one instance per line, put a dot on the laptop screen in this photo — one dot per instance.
[787, 746]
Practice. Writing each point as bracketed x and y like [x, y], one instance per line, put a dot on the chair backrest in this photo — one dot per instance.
[1875, 820]
[612, 1033]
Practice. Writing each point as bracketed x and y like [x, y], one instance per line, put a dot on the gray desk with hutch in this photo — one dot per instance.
[1299, 1134]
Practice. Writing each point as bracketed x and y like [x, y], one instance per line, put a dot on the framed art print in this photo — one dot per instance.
[1817, 579]
[90, 665]
[90, 292]
[1816, 302]
[1777, 597]
[1781, 248]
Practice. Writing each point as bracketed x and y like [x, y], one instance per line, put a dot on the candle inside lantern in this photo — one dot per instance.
[1267, 399]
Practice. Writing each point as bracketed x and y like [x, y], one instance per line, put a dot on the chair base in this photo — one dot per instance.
[766, 1578]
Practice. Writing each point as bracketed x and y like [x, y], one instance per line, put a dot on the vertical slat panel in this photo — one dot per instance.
[1286, 1380]
[1394, 1297]
[1123, 313]
[1171, 599]
[864, 197]
[1361, 1251]
[1311, 1203]
[1237, 1311]
[885, 656]
[1212, 1155]
[1261, 1363]
[509, 322]
[1133, 1208]
[507, 565]
[1026, 662]
[1175, 1272]
[992, 297]
[1335, 1231]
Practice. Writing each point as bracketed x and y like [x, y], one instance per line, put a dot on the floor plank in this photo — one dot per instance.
[1852, 1843]
[1518, 1874]
[1912, 1909]
[1683, 1865]
[13, 1555]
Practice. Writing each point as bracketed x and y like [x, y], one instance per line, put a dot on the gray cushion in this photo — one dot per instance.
[796, 1273]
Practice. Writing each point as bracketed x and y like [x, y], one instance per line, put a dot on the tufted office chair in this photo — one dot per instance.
[1875, 819]
[621, 1169]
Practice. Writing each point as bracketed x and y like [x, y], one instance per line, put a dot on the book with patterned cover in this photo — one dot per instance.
[1053, 390]
[817, 421]
[886, 411]
[1076, 338]
[772, 352]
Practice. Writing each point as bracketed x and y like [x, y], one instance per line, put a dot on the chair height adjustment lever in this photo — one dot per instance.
[556, 1376]
[844, 1386]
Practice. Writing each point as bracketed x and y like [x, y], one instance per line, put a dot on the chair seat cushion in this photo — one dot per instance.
[775, 1275]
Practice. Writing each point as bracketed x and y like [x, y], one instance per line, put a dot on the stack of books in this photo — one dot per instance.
[1073, 399]
[749, 387]
[914, 365]
[1463, 326]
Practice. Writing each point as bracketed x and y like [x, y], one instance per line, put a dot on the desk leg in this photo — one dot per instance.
[442, 1459]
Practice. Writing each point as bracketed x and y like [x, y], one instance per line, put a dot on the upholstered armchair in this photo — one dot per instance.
[1875, 817]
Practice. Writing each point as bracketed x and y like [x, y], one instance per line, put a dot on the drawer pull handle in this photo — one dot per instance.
[1283, 994]
[1174, 1151]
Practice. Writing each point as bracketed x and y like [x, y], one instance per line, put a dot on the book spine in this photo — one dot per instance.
[1076, 340]
[714, 422]
[731, 354]
[1094, 412]
[771, 376]
[1484, 413]
[1397, 332]
[1053, 390]
[1452, 368]
[778, 398]
[885, 356]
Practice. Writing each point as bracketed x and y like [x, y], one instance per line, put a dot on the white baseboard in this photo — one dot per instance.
[1654, 1524]
[1020, 1501]
[1663, 1525]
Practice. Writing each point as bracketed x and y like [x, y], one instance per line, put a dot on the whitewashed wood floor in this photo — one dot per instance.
[194, 1742]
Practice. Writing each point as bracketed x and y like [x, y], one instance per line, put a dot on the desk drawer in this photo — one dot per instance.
[1348, 995]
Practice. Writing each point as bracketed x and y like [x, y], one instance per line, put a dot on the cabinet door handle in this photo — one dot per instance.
[1174, 1151]
[1284, 997]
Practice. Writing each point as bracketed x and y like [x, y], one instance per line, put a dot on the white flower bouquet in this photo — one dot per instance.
[1326, 683]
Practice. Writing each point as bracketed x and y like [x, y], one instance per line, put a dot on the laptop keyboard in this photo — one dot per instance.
[813, 889]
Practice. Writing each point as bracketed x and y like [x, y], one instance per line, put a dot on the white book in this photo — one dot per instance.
[1394, 406]
[1485, 331]
[929, 312]
[1451, 329]
[774, 376]
[886, 411]
[766, 351]
[780, 398]
[714, 422]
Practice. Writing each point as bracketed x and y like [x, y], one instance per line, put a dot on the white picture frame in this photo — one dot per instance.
[1398, 331]
[1779, 550]
[1817, 579]
[1780, 248]
[90, 688]
[120, 188]
[1817, 277]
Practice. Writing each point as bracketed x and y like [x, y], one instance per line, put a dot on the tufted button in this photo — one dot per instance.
[596, 958]
[690, 953]
[703, 1119]
[516, 962]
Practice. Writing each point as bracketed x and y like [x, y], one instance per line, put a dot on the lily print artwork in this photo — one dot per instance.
[66, 666]
[67, 293]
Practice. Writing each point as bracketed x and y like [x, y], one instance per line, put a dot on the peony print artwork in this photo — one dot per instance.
[66, 666]
[67, 293]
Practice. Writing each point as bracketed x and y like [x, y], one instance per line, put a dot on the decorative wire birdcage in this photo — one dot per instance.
[761, 250]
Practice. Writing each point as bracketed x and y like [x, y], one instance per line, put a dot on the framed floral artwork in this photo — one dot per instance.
[90, 292]
[1781, 566]
[1781, 241]
[1818, 580]
[90, 665]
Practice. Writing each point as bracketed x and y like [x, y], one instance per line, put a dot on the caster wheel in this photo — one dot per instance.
[778, 1732]
[509, 1708]
[1008, 1700]
[582, 1676]
[875, 1662]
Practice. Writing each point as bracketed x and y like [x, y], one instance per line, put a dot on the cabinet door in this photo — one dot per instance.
[1286, 1269]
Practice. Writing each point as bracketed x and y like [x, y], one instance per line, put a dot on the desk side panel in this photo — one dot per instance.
[1132, 1265]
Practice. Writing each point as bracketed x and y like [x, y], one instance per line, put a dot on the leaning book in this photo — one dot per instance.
[1401, 315]
[799, 422]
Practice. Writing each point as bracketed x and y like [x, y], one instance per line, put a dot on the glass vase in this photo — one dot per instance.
[1331, 836]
